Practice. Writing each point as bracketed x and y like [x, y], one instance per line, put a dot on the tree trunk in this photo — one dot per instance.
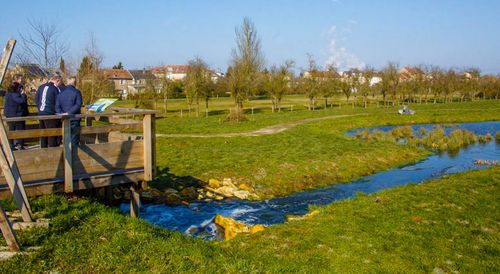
[197, 108]
[165, 105]
[206, 107]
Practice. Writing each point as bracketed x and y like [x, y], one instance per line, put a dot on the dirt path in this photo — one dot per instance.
[262, 131]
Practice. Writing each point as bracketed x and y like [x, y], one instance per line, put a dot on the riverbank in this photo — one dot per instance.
[302, 157]
[449, 224]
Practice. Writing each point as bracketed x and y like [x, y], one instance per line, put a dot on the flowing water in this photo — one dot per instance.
[197, 218]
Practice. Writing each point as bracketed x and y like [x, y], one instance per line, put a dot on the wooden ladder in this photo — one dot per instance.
[10, 169]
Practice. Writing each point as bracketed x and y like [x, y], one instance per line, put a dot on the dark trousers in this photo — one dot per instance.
[20, 125]
[51, 141]
[75, 138]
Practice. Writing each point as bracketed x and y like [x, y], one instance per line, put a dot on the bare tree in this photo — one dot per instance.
[42, 44]
[247, 62]
[197, 83]
[276, 82]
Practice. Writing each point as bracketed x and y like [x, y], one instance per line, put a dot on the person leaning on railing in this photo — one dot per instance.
[45, 99]
[70, 102]
[16, 106]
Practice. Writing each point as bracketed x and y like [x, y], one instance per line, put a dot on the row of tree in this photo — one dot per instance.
[247, 76]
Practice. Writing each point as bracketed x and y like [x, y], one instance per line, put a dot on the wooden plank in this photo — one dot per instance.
[48, 163]
[68, 156]
[135, 202]
[8, 232]
[7, 53]
[93, 181]
[104, 114]
[148, 146]
[153, 145]
[110, 128]
[34, 133]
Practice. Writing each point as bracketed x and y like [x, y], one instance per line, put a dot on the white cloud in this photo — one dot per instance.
[332, 29]
[338, 54]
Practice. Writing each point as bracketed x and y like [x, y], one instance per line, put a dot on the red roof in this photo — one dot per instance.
[174, 69]
[117, 74]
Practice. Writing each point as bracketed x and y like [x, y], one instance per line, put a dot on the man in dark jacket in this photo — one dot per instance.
[15, 100]
[70, 102]
[45, 99]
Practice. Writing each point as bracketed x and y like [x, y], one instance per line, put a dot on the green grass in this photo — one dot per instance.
[450, 224]
[173, 124]
[305, 156]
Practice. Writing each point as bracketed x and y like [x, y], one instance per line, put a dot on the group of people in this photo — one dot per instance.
[51, 98]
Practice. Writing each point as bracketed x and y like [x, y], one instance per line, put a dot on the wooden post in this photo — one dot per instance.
[7, 232]
[252, 110]
[135, 202]
[181, 113]
[8, 162]
[7, 53]
[68, 157]
[291, 108]
[12, 175]
[149, 147]
[16, 186]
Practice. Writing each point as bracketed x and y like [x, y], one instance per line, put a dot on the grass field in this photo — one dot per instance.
[445, 225]
[302, 157]
[450, 224]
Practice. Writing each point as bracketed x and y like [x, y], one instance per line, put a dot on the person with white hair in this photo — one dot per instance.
[70, 102]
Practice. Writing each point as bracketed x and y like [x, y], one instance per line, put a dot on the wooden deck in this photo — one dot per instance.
[107, 158]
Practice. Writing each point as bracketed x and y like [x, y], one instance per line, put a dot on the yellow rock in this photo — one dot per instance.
[218, 198]
[226, 191]
[230, 226]
[214, 183]
[228, 182]
[257, 228]
[185, 203]
[245, 187]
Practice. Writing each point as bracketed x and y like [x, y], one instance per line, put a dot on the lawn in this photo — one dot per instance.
[304, 156]
[446, 225]
[450, 224]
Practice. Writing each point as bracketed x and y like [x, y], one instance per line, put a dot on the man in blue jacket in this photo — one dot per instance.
[45, 99]
[70, 102]
[15, 100]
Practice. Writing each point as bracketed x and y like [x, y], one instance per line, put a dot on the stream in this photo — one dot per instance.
[197, 218]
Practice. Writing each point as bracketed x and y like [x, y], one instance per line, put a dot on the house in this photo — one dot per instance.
[140, 78]
[323, 75]
[121, 79]
[172, 72]
[33, 75]
[407, 73]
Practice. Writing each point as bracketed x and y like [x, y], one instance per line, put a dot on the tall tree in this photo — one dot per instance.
[276, 82]
[390, 81]
[92, 81]
[197, 82]
[118, 66]
[41, 43]
[310, 83]
[247, 62]
[365, 86]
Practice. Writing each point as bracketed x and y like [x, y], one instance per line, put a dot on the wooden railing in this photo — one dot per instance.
[103, 159]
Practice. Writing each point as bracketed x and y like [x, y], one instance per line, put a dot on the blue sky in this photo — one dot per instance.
[348, 33]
